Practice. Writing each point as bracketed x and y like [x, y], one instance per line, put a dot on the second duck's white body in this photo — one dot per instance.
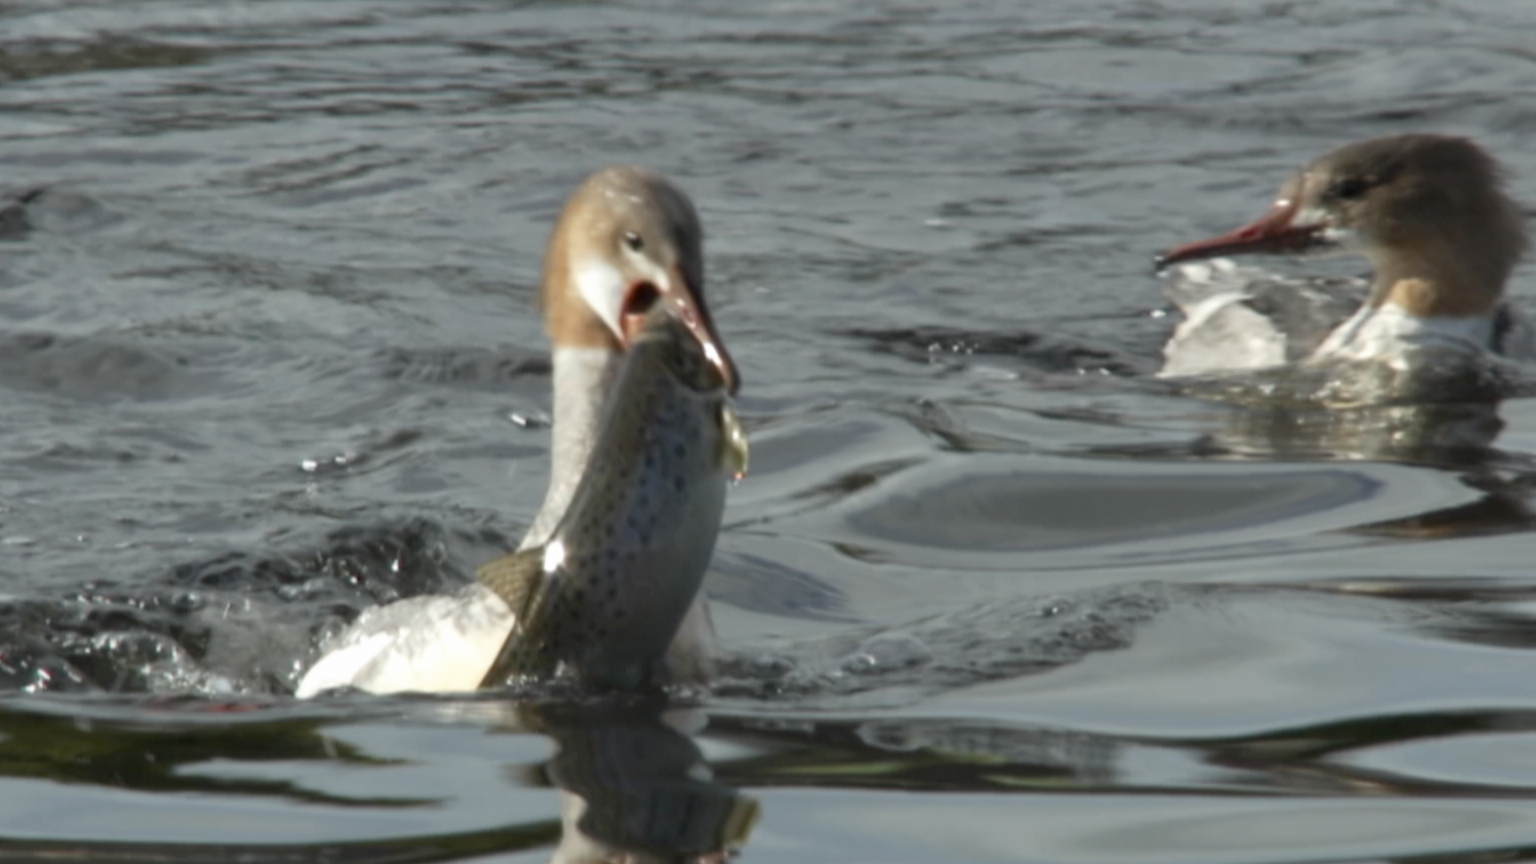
[1430, 214]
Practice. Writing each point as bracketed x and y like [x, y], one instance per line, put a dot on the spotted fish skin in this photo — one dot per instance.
[601, 600]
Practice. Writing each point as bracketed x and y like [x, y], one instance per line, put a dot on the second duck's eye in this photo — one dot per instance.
[633, 241]
[1350, 188]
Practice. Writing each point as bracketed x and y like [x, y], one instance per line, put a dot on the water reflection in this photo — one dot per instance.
[892, 664]
[634, 787]
[1456, 435]
[1452, 437]
[633, 784]
[1004, 513]
[959, 755]
[40, 59]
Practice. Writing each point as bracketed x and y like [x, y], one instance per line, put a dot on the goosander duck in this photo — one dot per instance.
[626, 240]
[1428, 213]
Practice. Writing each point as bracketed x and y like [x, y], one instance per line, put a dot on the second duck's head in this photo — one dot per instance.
[1426, 207]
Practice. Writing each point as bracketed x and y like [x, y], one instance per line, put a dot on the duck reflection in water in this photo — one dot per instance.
[1444, 416]
[635, 788]
[633, 785]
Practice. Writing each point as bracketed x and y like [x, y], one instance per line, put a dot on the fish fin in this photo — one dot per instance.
[516, 578]
[733, 443]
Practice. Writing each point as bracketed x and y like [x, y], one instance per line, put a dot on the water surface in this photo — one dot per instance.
[269, 355]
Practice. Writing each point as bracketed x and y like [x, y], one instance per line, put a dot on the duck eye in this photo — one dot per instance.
[633, 241]
[1350, 188]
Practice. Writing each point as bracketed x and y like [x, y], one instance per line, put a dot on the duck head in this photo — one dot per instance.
[627, 240]
[1427, 210]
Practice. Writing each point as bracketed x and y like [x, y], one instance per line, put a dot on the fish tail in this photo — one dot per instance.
[517, 579]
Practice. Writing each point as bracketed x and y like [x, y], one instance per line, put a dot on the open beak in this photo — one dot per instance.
[679, 295]
[1274, 232]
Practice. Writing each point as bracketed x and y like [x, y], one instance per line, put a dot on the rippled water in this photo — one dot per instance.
[268, 354]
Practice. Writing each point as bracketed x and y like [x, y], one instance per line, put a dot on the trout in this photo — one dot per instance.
[601, 600]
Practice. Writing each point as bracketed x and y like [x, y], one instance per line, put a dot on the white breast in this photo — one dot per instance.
[1386, 331]
[432, 644]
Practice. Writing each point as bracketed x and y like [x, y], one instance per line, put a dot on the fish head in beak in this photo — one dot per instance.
[636, 242]
[681, 298]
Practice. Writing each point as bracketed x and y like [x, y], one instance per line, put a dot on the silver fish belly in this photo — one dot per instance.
[601, 600]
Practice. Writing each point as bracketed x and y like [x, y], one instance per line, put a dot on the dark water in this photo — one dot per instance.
[268, 355]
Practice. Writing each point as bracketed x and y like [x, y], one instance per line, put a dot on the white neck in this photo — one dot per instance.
[1386, 329]
[581, 379]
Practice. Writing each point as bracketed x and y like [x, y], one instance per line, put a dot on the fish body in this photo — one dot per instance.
[602, 598]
